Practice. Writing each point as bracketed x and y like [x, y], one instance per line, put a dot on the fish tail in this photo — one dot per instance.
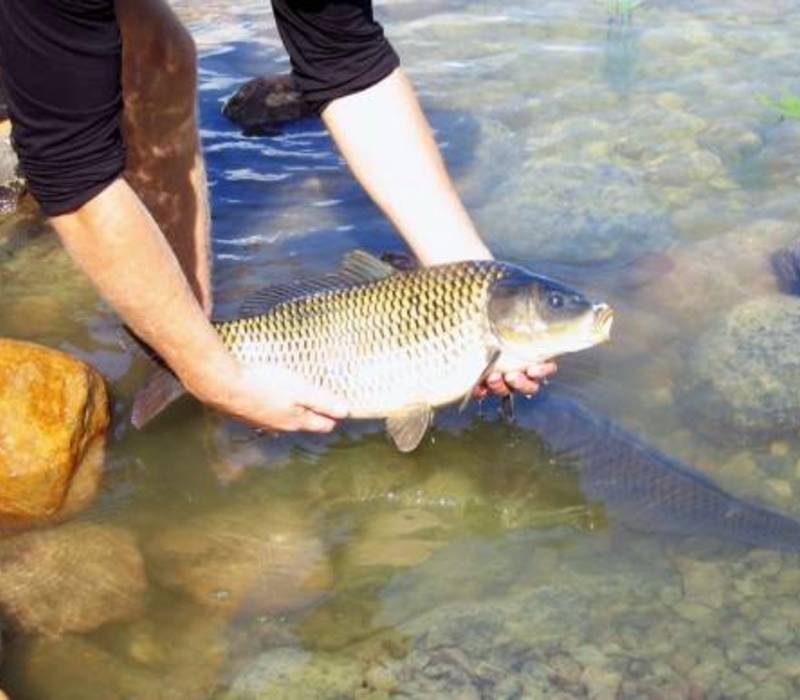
[161, 391]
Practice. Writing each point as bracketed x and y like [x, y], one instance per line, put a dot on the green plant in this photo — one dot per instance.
[623, 9]
[788, 106]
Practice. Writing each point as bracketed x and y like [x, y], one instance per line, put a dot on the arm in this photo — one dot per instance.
[115, 240]
[387, 142]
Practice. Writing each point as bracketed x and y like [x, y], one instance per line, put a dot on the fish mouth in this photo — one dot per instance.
[603, 319]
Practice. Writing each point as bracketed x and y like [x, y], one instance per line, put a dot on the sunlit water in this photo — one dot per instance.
[586, 143]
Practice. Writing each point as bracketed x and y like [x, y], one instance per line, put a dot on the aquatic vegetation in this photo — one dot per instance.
[623, 9]
[788, 106]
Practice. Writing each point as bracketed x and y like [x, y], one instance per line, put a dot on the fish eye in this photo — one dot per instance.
[555, 300]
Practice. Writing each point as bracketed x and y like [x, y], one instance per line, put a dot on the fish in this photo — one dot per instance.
[398, 344]
[645, 489]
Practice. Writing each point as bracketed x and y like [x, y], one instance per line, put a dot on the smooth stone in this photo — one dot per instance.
[71, 578]
[54, 416]
[742, 372]
[265, 559]
[75, 668]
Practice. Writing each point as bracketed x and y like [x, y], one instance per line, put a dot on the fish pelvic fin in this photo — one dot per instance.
[358, 267]
[161, 390]
[408, 427]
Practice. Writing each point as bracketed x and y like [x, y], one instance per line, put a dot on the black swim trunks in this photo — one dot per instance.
[61, 64]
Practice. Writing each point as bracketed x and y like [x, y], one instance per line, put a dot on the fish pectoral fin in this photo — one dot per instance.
[161, 390]
[494, 355]
[408, 427]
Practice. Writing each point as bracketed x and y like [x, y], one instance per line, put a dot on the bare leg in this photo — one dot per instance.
[164, 162]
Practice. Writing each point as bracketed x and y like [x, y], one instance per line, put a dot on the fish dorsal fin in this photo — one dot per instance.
[408, 427]
[357, 267]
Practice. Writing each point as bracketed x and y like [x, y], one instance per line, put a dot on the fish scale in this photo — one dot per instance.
[412, 337]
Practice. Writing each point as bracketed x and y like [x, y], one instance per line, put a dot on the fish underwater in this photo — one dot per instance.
[645, 489]
[396, 344]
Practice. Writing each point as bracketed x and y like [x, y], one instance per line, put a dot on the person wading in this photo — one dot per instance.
[102, 99]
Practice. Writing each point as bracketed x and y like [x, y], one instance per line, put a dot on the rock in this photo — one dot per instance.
[264, 559]
[713, 270]
[54, 416]
[287, 674]
[60, 668]
[11, 183]
[742, 374]
[71, 578]
[265, 103]
[703, 582]
[574, 213]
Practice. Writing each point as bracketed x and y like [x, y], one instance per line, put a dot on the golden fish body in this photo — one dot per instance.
[396, 344]
[419, 337]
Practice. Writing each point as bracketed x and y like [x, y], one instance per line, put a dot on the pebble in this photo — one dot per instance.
[380, 678]
[694, 612]
[780, 489]
[780, 448]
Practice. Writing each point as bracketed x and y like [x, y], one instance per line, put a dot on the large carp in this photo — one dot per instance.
[397, 344]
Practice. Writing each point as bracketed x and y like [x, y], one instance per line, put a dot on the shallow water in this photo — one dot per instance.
[586, 143]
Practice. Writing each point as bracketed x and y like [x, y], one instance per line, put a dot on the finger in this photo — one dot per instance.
[522, 383]
[542, 371]
[315, 423]
[497, 386]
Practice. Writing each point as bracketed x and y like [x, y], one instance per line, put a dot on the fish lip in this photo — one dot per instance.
[603, 319]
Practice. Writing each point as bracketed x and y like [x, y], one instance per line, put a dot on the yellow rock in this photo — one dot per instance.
[5, 130]
[53, 421]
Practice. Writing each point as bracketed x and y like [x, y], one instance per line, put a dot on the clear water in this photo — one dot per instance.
[586, 143]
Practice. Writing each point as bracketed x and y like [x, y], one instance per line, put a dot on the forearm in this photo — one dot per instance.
[118, 245]
[387, 142]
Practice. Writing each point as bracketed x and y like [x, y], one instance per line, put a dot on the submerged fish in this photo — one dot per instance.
[647, 490]
[397, 344]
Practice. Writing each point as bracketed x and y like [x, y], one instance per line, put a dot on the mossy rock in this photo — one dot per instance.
[743, 374]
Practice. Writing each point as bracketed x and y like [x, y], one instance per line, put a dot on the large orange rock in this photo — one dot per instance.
[53, 421]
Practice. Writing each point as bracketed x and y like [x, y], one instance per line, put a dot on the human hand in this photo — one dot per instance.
[273, 398]
[526, 381]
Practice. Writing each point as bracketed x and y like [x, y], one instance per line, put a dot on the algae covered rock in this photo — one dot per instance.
[71, 578]
[287, 674]
[265, 559]
[575, 213]
[53, 421]
[743, 373]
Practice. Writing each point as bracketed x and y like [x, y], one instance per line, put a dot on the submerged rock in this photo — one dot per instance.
[287, 674]
[263, 104]
[53, 421]
[71, 578]
[575, 213]
[264, 559]
[742, 375]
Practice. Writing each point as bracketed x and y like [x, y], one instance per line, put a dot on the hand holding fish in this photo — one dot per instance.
[274, 398]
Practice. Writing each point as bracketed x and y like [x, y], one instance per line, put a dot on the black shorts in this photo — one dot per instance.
[61, 64]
